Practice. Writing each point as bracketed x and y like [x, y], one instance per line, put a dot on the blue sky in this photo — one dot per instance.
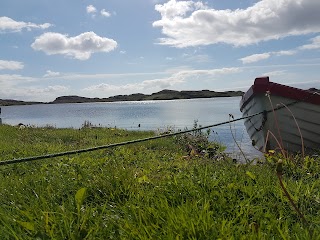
[100, 48]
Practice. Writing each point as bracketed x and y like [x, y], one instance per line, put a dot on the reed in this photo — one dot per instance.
[285, 155]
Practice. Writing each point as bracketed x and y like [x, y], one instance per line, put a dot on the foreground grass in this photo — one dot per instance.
[146, 191]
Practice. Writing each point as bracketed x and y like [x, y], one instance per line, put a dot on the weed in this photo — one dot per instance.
[197, 143]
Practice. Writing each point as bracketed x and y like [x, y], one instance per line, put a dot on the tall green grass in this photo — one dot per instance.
[148, 190]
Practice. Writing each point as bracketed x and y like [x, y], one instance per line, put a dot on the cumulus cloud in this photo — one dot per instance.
[10, 65]
[51, 74]
[105, 13]
[190, 23]
[9, 25]
[79, 47]
[91, 9]
[175, 9]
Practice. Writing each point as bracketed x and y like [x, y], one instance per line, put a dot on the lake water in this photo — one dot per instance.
[149, 115]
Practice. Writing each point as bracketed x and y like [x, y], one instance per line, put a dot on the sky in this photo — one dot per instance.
[102, 48]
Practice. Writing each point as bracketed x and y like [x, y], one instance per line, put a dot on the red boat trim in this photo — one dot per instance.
[262, 85]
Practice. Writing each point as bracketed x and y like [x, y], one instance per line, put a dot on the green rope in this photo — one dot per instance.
[28, 159]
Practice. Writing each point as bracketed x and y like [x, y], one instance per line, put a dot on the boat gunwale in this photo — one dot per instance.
[262, 85]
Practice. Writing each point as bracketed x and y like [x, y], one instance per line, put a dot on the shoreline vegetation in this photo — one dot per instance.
[162, 95]
[182, 187]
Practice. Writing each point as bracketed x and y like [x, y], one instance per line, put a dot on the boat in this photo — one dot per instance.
[284, 118]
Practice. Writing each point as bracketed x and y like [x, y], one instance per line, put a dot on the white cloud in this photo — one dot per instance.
[315, 44]
[49, 89]
[79, 47]
[33, 93]
[10, 65]
[174, 9]
[262, 56]
[189, 23]
[11, 82]
[275, 73]
[211, 72]
[91, 9]
[285, 53]
[14, 86]
[11, 78]
[105, 13]
[9, 25]
[258, 57]
[104, 76]
[51, 74]
[161, 83]
[135, 87]
[255, 58]
[18, 87]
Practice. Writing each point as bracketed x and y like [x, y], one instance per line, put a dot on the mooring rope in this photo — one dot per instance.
[28, 159]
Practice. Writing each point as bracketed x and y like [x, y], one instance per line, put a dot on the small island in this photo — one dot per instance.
[162, 95]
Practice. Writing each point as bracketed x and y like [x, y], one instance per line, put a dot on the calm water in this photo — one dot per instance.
[151, 115]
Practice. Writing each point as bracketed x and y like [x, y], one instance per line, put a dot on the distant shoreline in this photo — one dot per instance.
[162, 95]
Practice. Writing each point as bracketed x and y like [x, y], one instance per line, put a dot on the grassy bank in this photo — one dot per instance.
[154, 190]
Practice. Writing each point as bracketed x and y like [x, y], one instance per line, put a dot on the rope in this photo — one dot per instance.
[34, 158]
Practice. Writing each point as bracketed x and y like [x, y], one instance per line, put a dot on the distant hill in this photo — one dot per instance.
[10, 102]
[162, 95]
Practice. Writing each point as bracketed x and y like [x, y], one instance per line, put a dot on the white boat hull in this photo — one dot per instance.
[294, 128]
